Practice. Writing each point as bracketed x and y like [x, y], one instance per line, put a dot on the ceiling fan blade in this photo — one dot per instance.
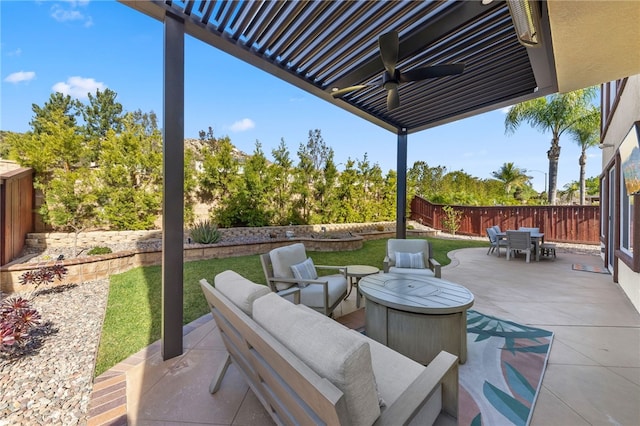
[393, 99]
[431, 72]
[389, 51]
[341, 92]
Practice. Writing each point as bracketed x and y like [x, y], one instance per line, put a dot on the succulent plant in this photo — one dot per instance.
[205, 232]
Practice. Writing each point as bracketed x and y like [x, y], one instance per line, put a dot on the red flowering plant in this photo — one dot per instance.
[18, 318]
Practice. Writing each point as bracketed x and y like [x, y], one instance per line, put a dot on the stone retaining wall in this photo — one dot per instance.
[97, 267]
[105, 238]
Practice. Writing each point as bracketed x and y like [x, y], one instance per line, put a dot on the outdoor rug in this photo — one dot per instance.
[589, 268]
[505, 365]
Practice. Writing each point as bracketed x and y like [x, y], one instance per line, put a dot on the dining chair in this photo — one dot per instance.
[519, 241]
[495, 242]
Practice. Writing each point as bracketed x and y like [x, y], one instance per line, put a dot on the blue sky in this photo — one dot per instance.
[77, 47]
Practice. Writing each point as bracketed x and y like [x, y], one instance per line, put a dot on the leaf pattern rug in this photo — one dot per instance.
[501, 379]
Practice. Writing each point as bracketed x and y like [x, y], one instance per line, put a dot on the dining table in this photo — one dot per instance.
[537, 238]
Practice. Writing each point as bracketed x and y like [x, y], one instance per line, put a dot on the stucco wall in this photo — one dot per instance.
[626, 113]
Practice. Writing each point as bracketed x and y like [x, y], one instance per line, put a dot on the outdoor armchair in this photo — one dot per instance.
[288, 269]
[413, 256]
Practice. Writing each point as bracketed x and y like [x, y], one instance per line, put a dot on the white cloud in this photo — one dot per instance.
[69, 11]
[505, 110]
[78, 87]
[20, 76]
[243, 125]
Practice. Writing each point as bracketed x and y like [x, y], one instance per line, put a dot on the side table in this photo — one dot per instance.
[354, 274]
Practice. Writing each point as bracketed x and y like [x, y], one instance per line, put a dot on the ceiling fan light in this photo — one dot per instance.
[526, 20]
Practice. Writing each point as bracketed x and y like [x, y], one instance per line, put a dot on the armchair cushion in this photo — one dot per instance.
[304, 271]
[410, 260]
[239, 290]
[413, 271]
[328, 348]
[313, 294]
[282, 258]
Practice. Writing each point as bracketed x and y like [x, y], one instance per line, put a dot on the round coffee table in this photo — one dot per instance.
[417, 316]
[354, 274]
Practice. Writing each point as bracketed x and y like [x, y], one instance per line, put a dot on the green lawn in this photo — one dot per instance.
[133, 315]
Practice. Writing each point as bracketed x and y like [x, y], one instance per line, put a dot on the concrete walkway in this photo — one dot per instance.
[593, 376]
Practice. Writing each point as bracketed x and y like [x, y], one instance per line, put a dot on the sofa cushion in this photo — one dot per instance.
[394, 372]
[239, 290]
[329, 349]
[304, 271]
[410, 260]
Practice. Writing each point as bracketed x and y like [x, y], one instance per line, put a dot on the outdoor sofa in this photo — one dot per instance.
[306, 368]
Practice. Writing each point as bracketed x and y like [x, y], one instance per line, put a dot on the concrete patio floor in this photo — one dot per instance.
[592, 378]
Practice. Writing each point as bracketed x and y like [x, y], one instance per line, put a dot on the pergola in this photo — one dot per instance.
[321, 46]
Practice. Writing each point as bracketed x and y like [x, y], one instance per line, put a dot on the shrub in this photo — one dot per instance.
[99, 250]
[205, 232]
[451, 220]
[379, 228]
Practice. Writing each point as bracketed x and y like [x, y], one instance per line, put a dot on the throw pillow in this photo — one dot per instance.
[410, 260]
[304, 271]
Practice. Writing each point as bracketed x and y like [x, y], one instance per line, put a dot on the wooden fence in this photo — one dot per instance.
[569, 224]
[16, 211]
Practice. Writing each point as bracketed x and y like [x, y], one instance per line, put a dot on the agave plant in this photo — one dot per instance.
[205, 232]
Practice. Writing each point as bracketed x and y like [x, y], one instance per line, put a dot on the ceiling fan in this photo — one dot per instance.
[393, 77]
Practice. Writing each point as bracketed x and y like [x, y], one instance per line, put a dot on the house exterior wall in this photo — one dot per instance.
[620, 112]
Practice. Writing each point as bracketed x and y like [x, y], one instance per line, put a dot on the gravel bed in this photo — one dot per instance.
[52, 385]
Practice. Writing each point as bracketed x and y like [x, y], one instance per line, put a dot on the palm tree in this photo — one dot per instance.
[586, 133]
[557, 114]
[511, 176]
[569, 191]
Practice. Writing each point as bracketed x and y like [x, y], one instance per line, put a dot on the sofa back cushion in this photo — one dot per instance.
[329, 349]
[239, 290]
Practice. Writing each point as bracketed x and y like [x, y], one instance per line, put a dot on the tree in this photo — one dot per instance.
[511, 176]
[313, 157]
[347, 210]
[326, 192]
[426, 181]
[130, 191]
[220, 178]
[190, 185]
[71, 202]
[280, 173]
[586, 132]
[249, 204]
[569, 191]
[556, 114]
[55, 141]
[102, 114]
